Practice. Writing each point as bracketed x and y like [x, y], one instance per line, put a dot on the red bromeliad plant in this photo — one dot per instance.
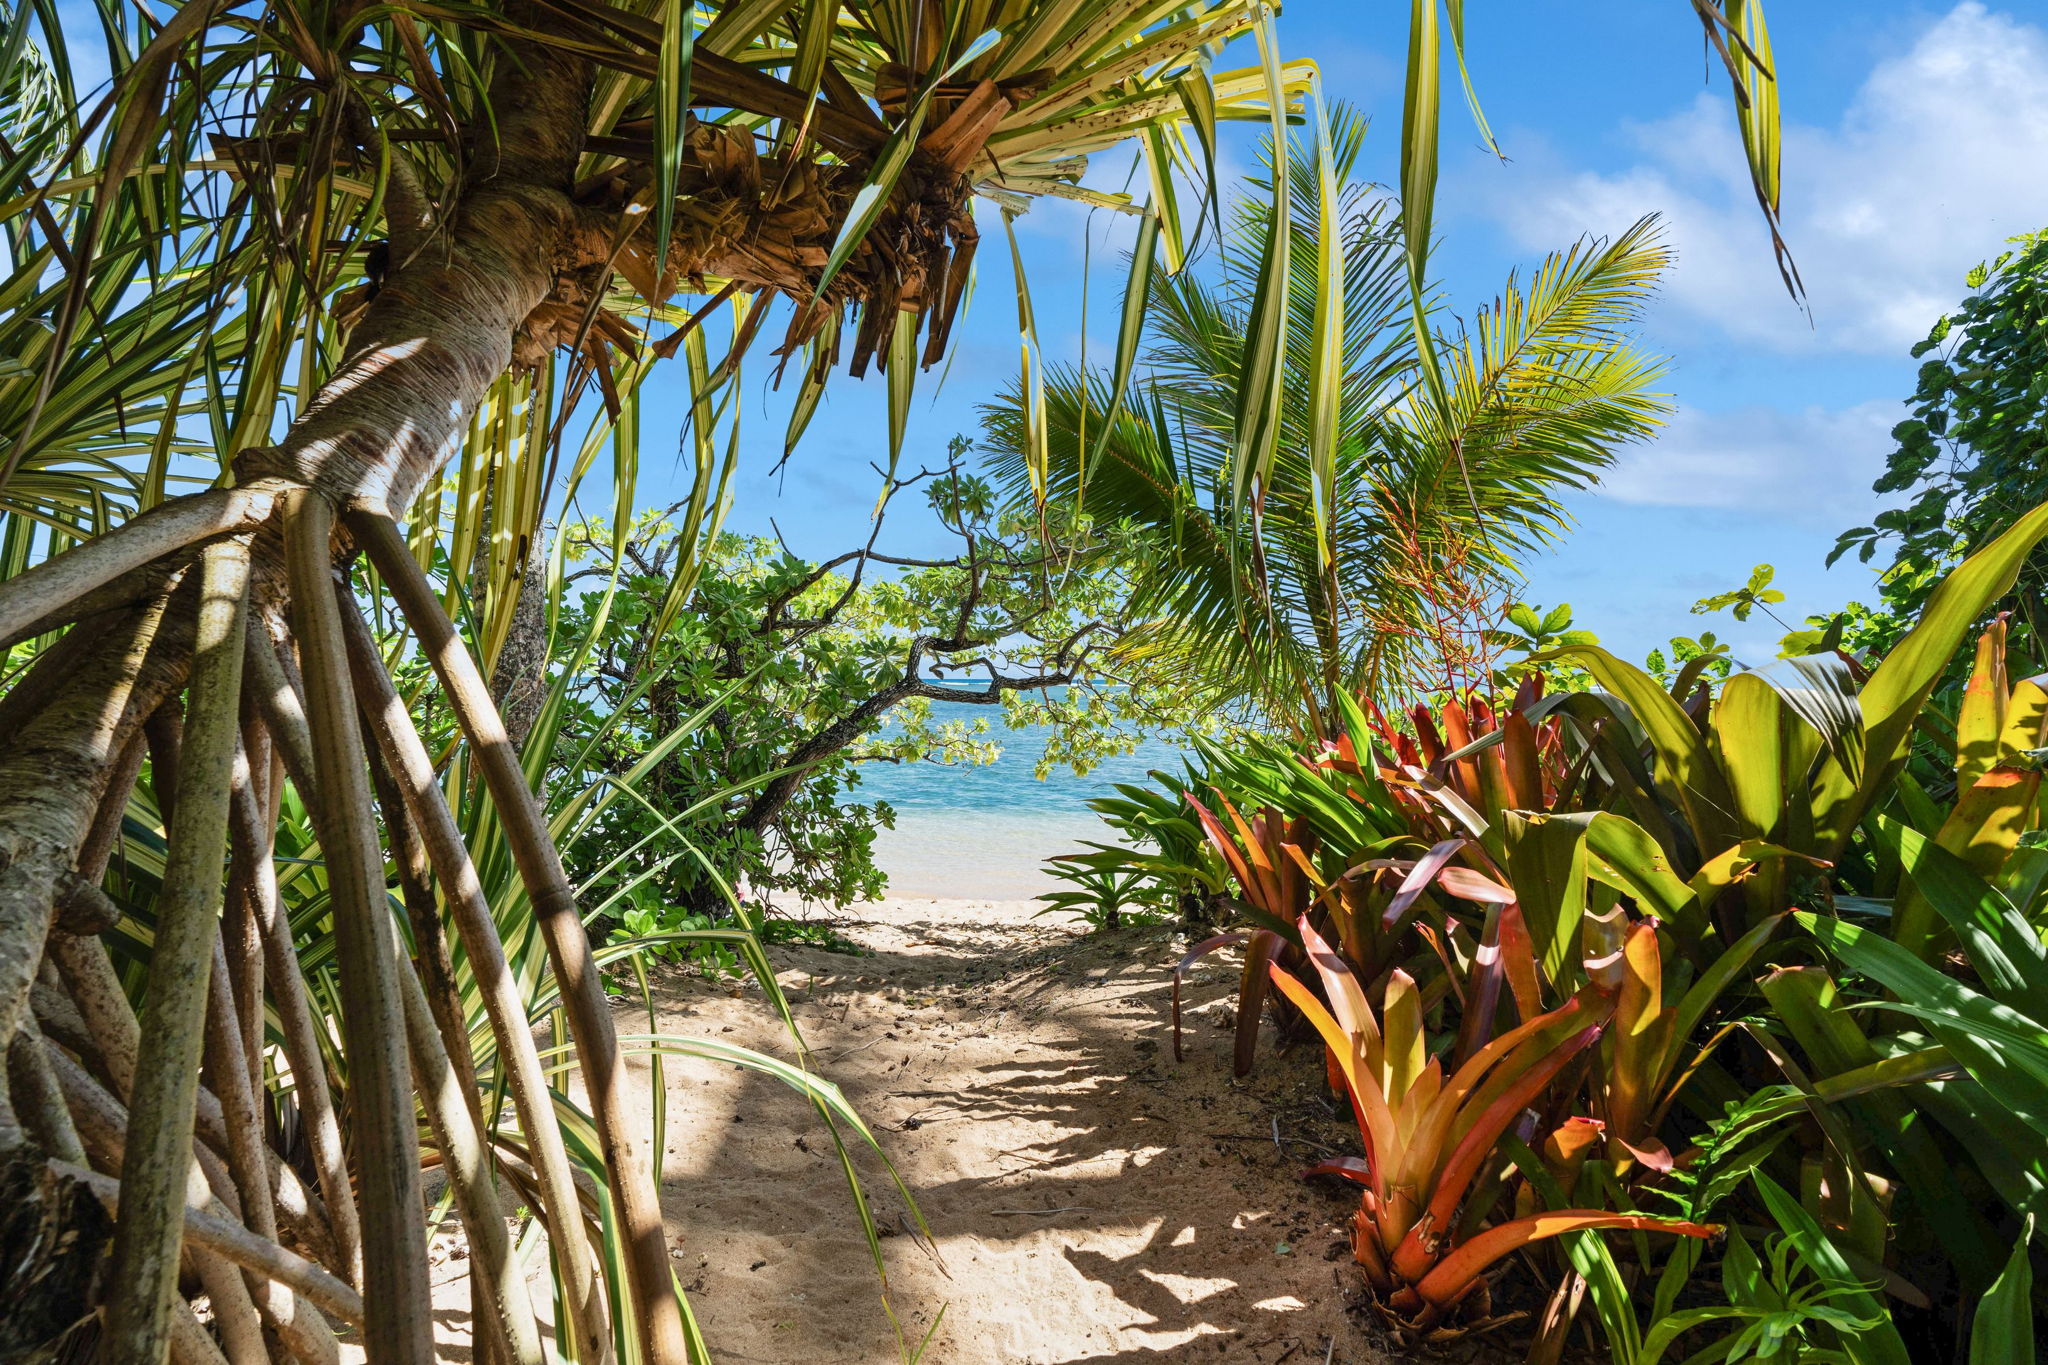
[1637, 1073]
[1429, 1139]
[1272, 858]
[1266, 859]
[1467, 757]
[1363, 898]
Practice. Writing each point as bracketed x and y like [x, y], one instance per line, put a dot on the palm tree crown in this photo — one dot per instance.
[1445, 462]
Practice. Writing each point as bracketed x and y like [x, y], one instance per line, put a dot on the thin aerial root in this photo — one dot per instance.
[301, 1043]
[165, 1094]
[469, 1174]
[32, 601]
[38, 1099]
[104, 1127]
[244, 1121]
[236, 1243]
[242, 934]
[395, 1279]
[622, 1139]
[283, 709]
[413, 770]
[98, 848]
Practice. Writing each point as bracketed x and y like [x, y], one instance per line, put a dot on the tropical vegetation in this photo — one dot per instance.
[798, 674]
[1787, 922]
[1969, 453]
[343, 269]
[1409, 477]
[333, 727]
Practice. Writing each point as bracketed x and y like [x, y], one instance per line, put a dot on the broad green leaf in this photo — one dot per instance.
[1546, 860]
[2026, 719]
[1685, 762]
[1422, 97]
[1165, 208]
[902, 378]
[1900, 686]
[2004, 1051]
[820, 24]
[1753, 76]
[1420, 113]
[1749, 739]
[1198, 100]
[2004, 1326]
[2003, 948]
[1627, 858]
[872, 197]
[1454, 12]
[810, 389]
[1820, 691]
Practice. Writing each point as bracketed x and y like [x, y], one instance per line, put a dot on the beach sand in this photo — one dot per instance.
[1090, 1199]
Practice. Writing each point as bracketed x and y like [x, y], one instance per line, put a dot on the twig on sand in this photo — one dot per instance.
[1261, 1137]
[850, 1051]
[1040, 1213]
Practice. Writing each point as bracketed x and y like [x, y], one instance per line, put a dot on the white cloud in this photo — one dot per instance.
[1812, 467]
[1935, 160]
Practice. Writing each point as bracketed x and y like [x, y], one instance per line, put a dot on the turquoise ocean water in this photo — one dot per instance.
[985, 831]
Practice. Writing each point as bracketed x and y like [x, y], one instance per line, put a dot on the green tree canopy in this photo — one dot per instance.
[1972, 458]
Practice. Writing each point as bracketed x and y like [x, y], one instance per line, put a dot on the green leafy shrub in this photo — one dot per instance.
[794, 674]
[1105, 897]
[1969, 458]
[1870, 1087]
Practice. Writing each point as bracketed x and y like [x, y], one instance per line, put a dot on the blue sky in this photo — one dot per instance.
[1915, 141]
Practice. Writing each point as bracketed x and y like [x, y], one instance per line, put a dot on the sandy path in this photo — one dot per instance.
[1092, 1200]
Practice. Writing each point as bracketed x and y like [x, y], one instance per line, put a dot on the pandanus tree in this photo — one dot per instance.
[355, 268]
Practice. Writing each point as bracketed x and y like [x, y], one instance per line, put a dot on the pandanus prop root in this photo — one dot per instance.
[216, 639]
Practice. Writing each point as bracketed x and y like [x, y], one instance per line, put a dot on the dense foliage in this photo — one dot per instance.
[1408, 479]
[387, 280]
[312, 317]
[1727, 943]
[1973, 456]
[762, 705]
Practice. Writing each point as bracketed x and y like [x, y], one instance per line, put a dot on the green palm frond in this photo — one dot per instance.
[1310, 588]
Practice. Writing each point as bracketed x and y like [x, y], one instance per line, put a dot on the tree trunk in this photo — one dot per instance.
[519, 679]
[462, 306]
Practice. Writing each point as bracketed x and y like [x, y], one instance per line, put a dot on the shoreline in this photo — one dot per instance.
[978, 854]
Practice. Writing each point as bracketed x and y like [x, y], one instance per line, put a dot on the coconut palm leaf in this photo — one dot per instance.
[1377, 481]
